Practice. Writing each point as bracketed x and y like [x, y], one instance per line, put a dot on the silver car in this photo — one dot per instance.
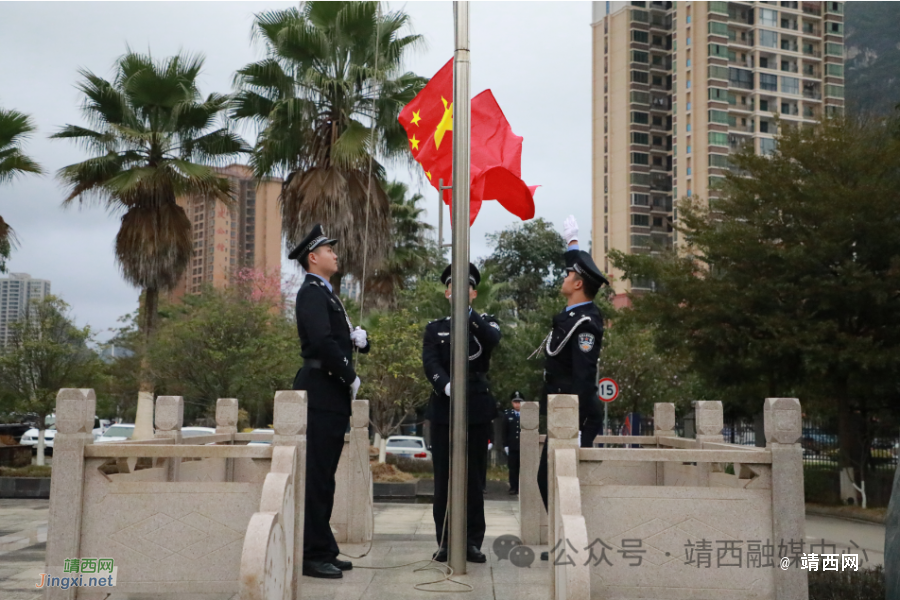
[408, 446]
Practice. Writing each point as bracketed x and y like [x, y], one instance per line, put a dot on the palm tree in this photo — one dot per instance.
[14, 127]
[412, 253]
[325, 101]
[153, 138]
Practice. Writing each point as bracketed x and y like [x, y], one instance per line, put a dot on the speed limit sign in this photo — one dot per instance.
[608, 389]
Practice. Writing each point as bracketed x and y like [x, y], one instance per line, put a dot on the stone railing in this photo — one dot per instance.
[205, 515]
[674, 517]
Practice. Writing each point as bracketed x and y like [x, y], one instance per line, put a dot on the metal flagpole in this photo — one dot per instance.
[459, 339]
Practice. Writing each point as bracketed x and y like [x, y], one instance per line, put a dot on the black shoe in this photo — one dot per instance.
[513, 492]
[440, 555]
[473, 554]
[343, 565]
[322, 570]
[545, 556]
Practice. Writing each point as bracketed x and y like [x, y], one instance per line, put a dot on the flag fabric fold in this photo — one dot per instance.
[496, 152]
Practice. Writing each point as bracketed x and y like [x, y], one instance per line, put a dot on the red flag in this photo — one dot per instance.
[496, 152]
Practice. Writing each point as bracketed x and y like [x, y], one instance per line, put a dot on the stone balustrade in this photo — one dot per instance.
[660, 516]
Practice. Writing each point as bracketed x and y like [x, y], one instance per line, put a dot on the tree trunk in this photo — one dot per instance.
[336, 282]
[848, 436]
[143, 419]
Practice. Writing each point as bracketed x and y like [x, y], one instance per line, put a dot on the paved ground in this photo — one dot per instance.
[404, 535]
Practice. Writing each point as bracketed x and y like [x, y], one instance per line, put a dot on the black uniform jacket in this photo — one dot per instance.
[325, 346]
[484, 335]
[511, 428]
[570, 365]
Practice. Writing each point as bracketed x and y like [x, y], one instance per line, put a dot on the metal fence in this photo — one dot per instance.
[819, 438]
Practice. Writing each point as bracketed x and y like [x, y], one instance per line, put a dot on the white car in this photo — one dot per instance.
[30, 437]
[116, 433]
[408, 446]
[195, 431]
[272, 431]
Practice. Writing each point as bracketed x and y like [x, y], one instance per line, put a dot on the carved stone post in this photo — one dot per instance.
[663, 426]
[530, 505]
[359, 515]
[709, 423]
[783, 423]
[75, 411]
[169, 421]
[226, 422]
[562, 433]
[290, 430]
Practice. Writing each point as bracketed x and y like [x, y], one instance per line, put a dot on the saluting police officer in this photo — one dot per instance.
[572, 348]
[512, 427]
[484, 335]
[327, 342]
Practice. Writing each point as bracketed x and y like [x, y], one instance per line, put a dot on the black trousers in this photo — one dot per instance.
[477, 470]
[324, 441]
[515, 459]
[590, 429]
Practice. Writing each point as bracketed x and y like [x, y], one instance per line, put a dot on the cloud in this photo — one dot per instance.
[536, 57]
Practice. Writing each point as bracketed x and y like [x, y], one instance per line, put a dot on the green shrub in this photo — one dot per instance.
[865, 584]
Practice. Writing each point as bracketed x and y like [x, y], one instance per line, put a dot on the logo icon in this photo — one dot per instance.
[585, 341]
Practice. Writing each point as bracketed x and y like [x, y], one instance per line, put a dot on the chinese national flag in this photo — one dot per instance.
[496, 152]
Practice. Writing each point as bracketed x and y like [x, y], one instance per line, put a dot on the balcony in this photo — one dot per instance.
[811, 51]
[739, 18]
[789, 46]
[810, 29]
[812, 9]
[811, 71]
[812, 94]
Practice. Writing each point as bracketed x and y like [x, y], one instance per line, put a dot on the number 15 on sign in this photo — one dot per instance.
[607, 389]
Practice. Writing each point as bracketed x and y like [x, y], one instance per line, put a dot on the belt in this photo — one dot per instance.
[312, 363]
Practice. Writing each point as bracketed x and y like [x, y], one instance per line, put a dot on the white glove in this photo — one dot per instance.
[447, 389]
[506, 450]
[490, 445]
[359, 337]
[570, 229]
[354, 387]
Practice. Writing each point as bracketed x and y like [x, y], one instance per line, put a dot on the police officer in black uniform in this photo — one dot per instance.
[484, 335]
[511, 429]
[327, 342]
[572, 347]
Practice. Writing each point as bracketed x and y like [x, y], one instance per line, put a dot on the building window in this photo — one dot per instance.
[689, 19]
[718, 50]
[688, 106]
[718, 138]
[689, 193]
[790, 85]
[639, 77]
[689, 63]
[640, 241]
[688, 127]
[834, 70]
[740, 78]
[639, 57]
[832, 49]
[718, 28]
[640, 220]
[688, 149]
[688, 84]
[640, 178]
[689, 171]
[640, 158]
[766, 146]
[640, 97]
[641, 118]
[835, 91]
[768, 39]
[640, 199]
[768, 83]
[718, 160]
[837, 28]
[768, 18]
[640, 36]
[640, 138]
[689, 41]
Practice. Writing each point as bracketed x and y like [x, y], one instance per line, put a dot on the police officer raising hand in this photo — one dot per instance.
[572, 347]
[327, 343]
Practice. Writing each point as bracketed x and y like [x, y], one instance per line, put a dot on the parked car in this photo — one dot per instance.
[272, 431]
[117, 433]
[195, 431]
[408, 446]
[30, 437]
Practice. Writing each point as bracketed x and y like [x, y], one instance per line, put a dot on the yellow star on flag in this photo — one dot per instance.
[446, 123]
[429, 175]
[416, 118]
[414, 142]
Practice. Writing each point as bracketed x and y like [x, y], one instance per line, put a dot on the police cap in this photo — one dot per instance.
[517, 397]
[315, 238]
[474, 275]
[584, 265]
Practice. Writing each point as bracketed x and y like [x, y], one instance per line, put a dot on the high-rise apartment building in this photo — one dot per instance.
[16, 292]
[227, 238]
[678, 86]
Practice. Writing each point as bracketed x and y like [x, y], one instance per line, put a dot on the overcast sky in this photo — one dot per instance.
[535, 56]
